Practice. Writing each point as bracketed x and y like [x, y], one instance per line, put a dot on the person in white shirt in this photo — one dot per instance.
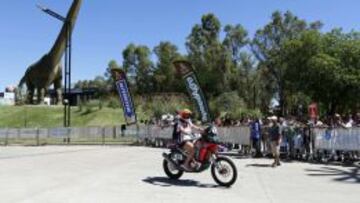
[185, 128]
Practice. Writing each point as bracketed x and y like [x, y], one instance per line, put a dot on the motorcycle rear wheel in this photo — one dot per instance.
[170, 170]
[226, 173]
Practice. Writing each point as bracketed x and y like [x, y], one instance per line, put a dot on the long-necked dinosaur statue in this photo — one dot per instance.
[48, 70]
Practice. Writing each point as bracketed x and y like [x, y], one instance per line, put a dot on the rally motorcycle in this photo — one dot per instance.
[207, 146]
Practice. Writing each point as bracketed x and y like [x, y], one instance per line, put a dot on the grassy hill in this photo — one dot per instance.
[46, 117]
[93, 113]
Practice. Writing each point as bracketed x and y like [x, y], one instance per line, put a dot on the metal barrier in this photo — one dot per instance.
[321, 139]
[337, 139]
[233, 135]
[84, 135]
[103, 135]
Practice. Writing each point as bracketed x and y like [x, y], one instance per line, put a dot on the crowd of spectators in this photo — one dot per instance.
[296, 132]
[335, 121]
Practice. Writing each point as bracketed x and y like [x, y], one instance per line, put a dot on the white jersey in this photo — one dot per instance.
[186, 133]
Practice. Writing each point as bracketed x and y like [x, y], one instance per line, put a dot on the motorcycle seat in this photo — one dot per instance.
[175, 145]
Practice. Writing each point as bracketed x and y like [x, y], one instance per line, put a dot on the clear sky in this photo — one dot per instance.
[105, 27]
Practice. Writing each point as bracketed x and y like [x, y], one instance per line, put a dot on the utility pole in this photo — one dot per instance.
[67, 79]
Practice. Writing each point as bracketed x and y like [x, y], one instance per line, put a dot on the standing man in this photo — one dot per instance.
[275, 137]
[255, 130]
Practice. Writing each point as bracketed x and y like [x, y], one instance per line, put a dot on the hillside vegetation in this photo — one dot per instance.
[46, 117]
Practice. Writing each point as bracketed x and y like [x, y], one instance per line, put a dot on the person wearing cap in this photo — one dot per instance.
[185, 128]
[275, 137]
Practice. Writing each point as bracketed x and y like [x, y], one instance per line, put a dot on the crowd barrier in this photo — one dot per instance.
[337, 139]
[234, 135]
[74, 135]
[38, 136]
[321, 138]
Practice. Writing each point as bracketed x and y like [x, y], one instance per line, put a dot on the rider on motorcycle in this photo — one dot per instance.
[185, 129]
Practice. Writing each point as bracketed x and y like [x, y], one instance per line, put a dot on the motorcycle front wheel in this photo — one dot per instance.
[224, 172]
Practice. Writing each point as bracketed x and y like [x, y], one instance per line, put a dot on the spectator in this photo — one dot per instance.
[275, 137]
[218, 121]
[356, 119]
[255, 135]
[348, 122]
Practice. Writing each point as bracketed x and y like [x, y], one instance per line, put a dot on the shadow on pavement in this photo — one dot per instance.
[259, 165]
[348, 175]
[167, 182]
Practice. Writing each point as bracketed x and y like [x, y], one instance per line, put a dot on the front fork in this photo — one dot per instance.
[213, 158]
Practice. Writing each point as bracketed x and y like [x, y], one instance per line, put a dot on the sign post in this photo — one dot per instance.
[188, 74]
[125, 96]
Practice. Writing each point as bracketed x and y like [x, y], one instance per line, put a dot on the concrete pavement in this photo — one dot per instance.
[134, 174]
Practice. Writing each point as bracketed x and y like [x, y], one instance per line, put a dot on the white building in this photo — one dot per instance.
[7, 99]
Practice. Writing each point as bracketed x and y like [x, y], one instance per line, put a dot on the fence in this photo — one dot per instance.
[323, 139]
[88, 135]
[107, 135]
[337, 139]
[234, 135]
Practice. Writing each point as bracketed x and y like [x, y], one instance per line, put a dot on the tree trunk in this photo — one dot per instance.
[332, 108]
[282, 101]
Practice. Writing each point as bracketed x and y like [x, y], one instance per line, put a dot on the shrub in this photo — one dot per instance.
[113, 102]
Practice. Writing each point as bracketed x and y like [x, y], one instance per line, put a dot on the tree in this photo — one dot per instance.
[144, 71]
[242, 67]
[208, 55]
[139, 67]
[110, 84]
[165, 73]
[235, 39]
[246, 79]
[327, 68]
[267, 44]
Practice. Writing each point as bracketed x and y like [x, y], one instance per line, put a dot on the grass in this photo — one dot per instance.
[49, 117]
[88, 114]
[52, 117]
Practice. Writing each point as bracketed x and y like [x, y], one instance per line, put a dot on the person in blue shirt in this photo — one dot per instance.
[255, 134]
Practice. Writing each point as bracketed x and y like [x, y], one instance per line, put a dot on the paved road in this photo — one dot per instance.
[134, 174]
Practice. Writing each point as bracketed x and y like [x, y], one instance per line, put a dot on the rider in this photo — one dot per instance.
[185, 129]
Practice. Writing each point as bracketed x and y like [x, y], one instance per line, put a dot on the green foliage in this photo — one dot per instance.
[165, 76]
[326, 67]
[160, 105]
[207, 53]
[139, 67]
[91, 106]
[242, 113]
[235, 39]
[49, 117]
[267, 48]
[227, 102]
[113, 102]
[289, 60]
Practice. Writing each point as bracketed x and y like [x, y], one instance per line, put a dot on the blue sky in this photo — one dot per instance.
[105, 27]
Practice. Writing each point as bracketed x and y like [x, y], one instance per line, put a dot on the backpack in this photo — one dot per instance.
[176, 134]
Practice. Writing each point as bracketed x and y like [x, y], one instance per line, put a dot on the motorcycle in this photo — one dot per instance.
[223, 169]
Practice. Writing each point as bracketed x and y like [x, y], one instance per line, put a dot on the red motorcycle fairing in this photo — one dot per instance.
[205, 150]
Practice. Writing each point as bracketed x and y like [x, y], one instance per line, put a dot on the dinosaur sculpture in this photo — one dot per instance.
[48, 70]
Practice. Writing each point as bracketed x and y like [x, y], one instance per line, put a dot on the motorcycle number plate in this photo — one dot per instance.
[178, 156]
